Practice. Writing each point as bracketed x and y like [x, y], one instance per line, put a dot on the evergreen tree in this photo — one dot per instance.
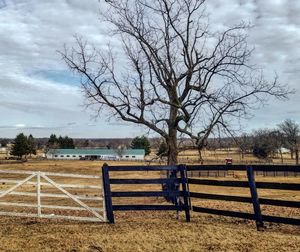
[141, 143]
[52, 142]
[66, 142]
[20, 147]
[3, 142]
[31, 145]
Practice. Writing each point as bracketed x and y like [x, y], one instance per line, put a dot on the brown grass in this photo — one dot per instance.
[150, 231]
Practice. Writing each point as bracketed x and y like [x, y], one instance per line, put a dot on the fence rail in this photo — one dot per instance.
[172, 191]
[252, 185]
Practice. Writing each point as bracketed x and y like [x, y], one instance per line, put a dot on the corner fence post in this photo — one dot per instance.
[254, 197]
[107, 193]
[182, 169]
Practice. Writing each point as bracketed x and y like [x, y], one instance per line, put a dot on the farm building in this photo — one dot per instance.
[96, 154]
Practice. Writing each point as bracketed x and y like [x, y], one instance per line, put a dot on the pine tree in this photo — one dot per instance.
[31, 145]
[141, 143]
[53, 141]
[20, 147]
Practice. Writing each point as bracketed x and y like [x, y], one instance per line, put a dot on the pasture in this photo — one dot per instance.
[149, 230]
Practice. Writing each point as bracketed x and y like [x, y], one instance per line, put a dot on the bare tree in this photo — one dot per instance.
[121, 150]
[176, 75]
[291, 131]
[245, 144]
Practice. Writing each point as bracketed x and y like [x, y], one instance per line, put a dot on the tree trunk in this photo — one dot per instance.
[292, 153]
[172, 147]
[172, 137]
[297, 156]
[281, 156]
[200, 155]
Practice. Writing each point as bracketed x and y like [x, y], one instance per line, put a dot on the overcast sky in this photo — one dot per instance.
[38, 95]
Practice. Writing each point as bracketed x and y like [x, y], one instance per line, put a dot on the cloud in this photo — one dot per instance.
[37, 89]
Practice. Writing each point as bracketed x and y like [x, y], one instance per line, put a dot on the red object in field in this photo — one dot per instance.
[228, 161]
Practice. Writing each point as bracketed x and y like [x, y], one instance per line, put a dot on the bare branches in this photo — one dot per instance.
[178, 75]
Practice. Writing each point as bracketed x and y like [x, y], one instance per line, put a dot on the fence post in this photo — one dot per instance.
[38, 193]
[107, 193]
[254, 197]
[182, 169]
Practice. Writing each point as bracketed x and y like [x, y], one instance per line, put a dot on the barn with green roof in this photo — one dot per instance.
[96, 154]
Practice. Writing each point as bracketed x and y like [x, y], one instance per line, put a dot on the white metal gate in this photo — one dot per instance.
[39, 179]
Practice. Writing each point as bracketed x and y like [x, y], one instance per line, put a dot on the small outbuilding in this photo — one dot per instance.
[96, 154]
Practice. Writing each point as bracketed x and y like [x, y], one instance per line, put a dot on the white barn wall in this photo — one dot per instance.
[56, 155]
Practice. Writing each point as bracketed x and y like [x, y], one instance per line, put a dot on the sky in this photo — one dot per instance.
[39, 95]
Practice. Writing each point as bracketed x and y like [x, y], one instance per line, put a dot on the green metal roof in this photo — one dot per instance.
[95, 152]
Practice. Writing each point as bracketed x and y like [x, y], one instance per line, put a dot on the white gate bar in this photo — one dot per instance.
[38, 192]
[17, 185]
[72, 197]
[71, 175]
[50, 195]
[17, 204]
[104, 207]
[71, 208]
[10, 181]
[48, 206]
[50, 216]
[52, 174]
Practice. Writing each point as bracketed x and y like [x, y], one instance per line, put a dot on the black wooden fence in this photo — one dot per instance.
[176, 189]
[252, 185]
[171, 190]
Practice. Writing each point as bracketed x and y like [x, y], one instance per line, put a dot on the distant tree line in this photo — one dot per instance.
[60, 142]
[265, 143]
[262, 143]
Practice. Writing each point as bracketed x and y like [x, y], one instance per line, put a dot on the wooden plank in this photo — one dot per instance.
[13, 204]
[78, 186]
[144, 181]
[142, 168]
[69, 175]
[263, 185]
[50, 216]
[107, 193]
[185, 192]
[38, 193]
[282, 168]
[216, 167]
[278, 186]
[220, 197]
[146, 207]
[212, 182]
[277, 168]
[146, 194]
[262, 201]
[274, 202]
[255, 200]
[52, 195]
[223, 212]
[283, 220]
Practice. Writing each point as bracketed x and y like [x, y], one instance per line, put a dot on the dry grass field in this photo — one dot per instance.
[147, 231]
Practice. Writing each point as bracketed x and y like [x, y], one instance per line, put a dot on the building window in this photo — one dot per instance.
[133, 156]
[80, 156]
[55, 156]
[61, 155]
[127, 156]
[68, 155]
[74, 155]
